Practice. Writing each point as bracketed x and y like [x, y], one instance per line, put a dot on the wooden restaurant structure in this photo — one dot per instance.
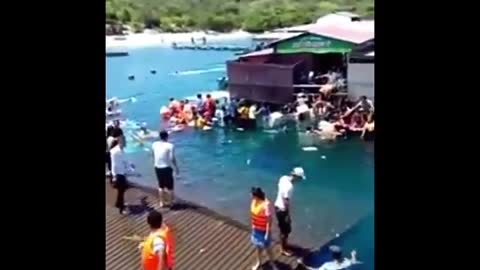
[274, 74]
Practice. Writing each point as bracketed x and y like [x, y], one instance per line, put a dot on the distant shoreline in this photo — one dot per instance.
[166, 39]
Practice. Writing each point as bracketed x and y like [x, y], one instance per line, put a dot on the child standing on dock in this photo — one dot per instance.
[260, 210]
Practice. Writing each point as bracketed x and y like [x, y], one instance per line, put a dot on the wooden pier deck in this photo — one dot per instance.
[205, 240]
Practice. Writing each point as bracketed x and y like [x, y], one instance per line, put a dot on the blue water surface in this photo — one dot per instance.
[218, 167]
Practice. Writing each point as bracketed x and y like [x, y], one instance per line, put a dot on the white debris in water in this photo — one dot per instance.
[201, 250]
[324, 157]
[337, 235]
[248, 161]
[229, 141]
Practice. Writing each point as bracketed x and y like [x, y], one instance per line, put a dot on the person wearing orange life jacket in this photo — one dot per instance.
[158, 249]
[260, 210]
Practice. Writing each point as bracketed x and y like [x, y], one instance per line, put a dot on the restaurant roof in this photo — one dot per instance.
[258, 53]
[355, 32]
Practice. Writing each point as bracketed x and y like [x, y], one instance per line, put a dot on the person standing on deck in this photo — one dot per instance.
[282, 205]
[164, 162]
[158, 249]
[260, 211]
[119, 170]
[114, 129]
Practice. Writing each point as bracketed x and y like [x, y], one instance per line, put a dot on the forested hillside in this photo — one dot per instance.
[226, 15]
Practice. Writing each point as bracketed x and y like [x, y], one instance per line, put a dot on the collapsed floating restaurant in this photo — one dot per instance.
[275, 73]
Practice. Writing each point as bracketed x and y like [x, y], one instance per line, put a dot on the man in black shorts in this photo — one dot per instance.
[282, 205]
[164, 162]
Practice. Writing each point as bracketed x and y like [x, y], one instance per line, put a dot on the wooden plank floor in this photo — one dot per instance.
[205, 240]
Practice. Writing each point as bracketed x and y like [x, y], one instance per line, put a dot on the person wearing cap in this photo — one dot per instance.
[282, 205]
[339, 262]
[261, 220]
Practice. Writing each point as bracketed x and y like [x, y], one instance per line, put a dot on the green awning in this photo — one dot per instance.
[313, 44]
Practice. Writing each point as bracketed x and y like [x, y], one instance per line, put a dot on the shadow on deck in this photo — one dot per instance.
[205, 240]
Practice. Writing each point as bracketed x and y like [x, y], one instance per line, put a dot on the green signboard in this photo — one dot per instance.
[313, 44]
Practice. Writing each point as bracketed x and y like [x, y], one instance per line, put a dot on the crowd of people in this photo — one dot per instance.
[204, 113]
[316, 115]
[330, 117]
[319, 115]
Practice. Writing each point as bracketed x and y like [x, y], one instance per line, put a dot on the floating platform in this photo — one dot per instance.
[210, 47]
[204, 239]
[116, 51]
[116, 54]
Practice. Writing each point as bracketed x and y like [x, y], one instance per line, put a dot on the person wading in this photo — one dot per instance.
[164, 162]
[261, 224]
[282, 205]
[158, 249]
[119, 170]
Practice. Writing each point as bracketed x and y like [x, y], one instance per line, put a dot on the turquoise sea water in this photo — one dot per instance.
[214, 171]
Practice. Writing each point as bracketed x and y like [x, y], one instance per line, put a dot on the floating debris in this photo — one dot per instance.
[153, 71]
[131, 77]
[323, 157]
[309, 148]
[248, 161]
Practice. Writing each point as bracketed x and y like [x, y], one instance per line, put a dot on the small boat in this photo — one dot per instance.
[116, 52]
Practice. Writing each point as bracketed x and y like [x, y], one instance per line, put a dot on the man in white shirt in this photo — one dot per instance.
[119, 171]
[164, 162]
[282, 205]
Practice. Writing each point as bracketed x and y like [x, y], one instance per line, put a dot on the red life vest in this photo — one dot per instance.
[150, 259]
[259, 218]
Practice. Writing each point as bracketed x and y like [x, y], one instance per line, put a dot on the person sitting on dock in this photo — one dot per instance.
[158, 249]
[261, 218]
[339, 262]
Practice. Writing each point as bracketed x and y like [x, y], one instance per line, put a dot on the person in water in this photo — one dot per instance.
[368, 128]
[261, 221]
[339, 262]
